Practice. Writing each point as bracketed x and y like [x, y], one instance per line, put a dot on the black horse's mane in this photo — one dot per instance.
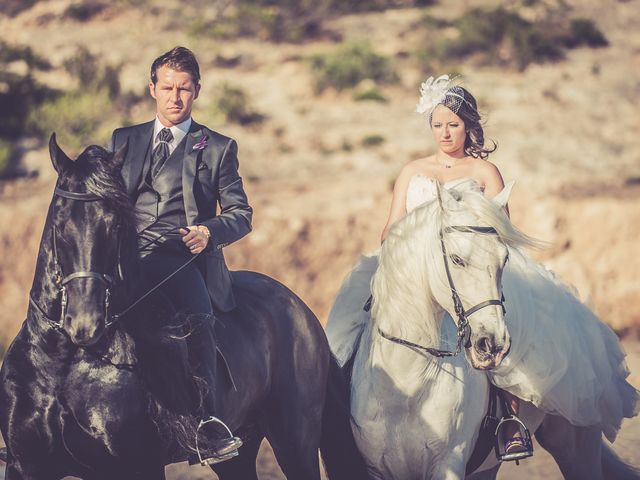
[94, 170]
[157, 348]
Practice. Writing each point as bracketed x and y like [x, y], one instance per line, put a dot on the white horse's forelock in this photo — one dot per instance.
[411, 267]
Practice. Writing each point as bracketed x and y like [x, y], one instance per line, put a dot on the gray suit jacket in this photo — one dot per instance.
[209, 179]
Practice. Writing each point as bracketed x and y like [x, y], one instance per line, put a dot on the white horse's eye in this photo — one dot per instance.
[457, 260]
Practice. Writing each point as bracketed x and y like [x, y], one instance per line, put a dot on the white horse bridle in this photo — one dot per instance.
[464, 330]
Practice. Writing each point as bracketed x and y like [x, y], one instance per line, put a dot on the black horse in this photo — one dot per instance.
[81, 395]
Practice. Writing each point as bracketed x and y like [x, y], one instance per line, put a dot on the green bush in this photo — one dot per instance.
[19, 94]
[14, 7]
[351, 6]
[370, 95]
[373, 140]
[281, 20]
[75, 116]
[236, 107]
[84, 10]
[584, 32]
[504, 37]
[82, 116]
[91, 73]
[500, 36]
[349, 65]
[257, 19]
[6, 152]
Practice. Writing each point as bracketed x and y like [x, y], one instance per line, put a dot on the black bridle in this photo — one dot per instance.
[464, 330]
[61, 280]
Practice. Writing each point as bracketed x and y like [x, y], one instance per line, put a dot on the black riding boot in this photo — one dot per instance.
[220, 443]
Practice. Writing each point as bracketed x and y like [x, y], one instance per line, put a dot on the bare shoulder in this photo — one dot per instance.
[485, 169]
[421, 166]
[489, 176]
[411, 168]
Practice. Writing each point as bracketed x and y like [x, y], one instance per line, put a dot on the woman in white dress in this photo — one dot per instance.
[563, 359]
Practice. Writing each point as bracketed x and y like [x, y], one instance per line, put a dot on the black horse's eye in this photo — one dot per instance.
[456, 260]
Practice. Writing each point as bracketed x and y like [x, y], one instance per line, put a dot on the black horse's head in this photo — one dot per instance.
[91, 218]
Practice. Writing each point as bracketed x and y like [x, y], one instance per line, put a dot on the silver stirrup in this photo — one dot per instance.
[501, 451]
[221, 458]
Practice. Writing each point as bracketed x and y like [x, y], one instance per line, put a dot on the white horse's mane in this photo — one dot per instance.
[411, 266]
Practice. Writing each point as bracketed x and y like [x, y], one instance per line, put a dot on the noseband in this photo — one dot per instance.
[464, 330]
[61, 280]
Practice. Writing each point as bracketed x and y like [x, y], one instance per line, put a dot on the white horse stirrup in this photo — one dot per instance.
[501, 450]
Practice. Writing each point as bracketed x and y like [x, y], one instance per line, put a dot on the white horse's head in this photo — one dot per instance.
[450, 253]
[472, 256]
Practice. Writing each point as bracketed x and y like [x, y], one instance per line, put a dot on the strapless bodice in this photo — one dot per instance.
[422, 189]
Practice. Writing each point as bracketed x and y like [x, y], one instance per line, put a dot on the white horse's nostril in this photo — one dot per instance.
[485, 345]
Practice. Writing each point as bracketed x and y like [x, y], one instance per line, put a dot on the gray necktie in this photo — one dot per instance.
[161, 152]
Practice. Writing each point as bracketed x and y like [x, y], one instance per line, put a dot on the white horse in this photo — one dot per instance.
[416, 415]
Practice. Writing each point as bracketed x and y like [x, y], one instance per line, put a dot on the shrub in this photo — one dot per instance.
[84, 10]
[346, 146]
[500, 36]
[265, 20]
[19, 94]
[81, 116]
[373, 140]
[282, 20]
[234, 104]
[14, 7]
[91, 74]
[349, 65]
[5, 157]
[350, 6]
[75, 116]
[371, 95]
[584, 32]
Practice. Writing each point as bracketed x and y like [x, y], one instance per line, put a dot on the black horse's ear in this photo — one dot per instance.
[119, 156]
[59, 159]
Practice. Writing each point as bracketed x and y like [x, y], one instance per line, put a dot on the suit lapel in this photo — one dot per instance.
[138, 147]
[189, 171]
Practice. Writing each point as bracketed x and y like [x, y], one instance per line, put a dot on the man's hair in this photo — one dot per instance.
[180, 59]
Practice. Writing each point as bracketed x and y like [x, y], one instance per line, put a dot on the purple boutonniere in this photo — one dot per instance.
[202, 144]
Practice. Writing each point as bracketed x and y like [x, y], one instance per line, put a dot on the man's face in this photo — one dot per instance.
[174, 93]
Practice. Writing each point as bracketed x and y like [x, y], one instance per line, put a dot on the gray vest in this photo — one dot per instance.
[160, 202]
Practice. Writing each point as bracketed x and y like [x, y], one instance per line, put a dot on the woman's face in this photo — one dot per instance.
[448, 130]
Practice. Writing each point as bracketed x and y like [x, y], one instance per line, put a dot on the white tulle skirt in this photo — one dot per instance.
[563, 358]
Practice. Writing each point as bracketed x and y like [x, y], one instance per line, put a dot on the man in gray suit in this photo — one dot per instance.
[178, 173]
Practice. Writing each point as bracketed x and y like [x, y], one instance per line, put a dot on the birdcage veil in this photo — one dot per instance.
[441, 91]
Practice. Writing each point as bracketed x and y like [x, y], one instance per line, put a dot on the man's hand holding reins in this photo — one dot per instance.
[195, 238]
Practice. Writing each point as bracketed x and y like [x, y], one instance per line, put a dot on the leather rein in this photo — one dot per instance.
[61, 280]
[464, 330]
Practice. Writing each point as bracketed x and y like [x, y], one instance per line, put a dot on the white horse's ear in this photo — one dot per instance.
[503, 197]
[445, 199]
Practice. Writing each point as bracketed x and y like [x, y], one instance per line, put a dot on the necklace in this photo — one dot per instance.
[450, 163]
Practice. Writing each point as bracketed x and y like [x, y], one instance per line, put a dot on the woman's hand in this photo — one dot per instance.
[195, 238]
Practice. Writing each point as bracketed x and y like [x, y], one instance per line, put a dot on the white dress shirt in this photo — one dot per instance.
[179, 131]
